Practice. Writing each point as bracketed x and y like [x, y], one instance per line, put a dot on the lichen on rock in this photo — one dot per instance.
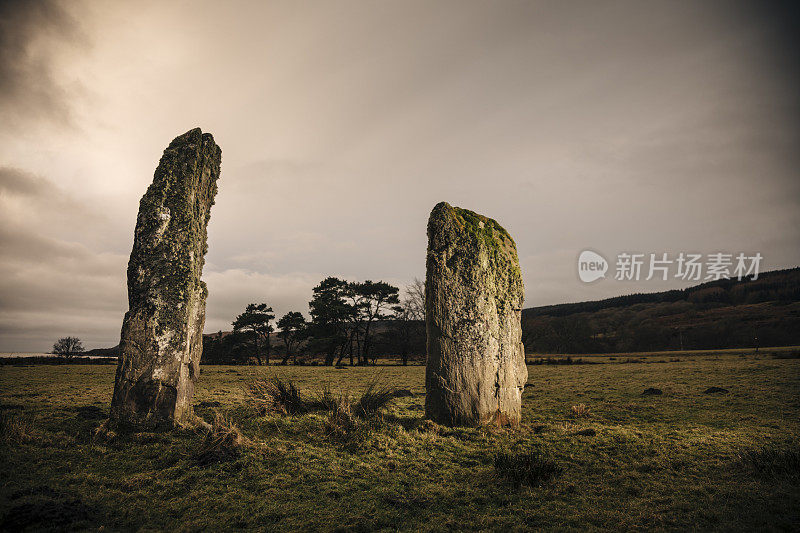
[162, 333]
[473, 300]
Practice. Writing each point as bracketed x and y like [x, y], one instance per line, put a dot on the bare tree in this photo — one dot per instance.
[67, 347]
[414, 300]
[409, 317]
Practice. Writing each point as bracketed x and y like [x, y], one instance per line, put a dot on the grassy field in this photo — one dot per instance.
[683, 459]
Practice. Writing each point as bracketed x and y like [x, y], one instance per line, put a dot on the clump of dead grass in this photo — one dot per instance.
[16, 428]
[374, 398]
[224, 441]
[341, 422]
[352, 422]
[326, 399]
[349, 421]
[277, 396]
[580, 411]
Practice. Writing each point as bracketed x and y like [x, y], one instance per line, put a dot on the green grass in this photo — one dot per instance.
[680, 460]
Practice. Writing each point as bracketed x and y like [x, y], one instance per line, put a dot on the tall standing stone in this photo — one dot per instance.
[162, 333]
[473, 300]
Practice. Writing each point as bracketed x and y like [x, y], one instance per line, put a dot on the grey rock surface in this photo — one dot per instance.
[473, 300]
[162, 333]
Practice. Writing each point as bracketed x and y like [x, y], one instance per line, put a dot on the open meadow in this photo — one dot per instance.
[621, 459]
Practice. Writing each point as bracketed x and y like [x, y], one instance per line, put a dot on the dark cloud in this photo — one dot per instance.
[616, 125]
[22, 245]
[23, 190]
[14, 181]
[29, 88]
[782, 20]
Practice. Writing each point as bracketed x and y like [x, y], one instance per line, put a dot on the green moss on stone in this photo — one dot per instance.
[481, 225]
[499, 244]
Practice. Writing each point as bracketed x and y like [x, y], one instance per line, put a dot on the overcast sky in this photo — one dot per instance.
[614, 126]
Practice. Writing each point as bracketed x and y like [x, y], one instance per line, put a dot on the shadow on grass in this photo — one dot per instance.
[46, 509]
[773, 461]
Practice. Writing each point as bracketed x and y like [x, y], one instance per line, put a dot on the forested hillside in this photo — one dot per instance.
[718, 314]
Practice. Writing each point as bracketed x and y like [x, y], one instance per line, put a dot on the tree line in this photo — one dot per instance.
[356, 322]
[351, 322]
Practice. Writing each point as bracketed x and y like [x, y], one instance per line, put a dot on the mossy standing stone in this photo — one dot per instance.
[473, 300]
[162, 333]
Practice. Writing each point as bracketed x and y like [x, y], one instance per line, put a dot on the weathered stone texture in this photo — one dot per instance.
[162, 333]
[476, 362]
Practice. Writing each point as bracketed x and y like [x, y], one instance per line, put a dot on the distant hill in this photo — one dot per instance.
[717, 314]
[105, 352]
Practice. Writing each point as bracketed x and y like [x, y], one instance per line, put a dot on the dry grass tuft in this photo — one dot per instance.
[277, 396]
[580, 411]
[284, 397]
[374, 398]
[341, 423]
[326, 399]
[16, 428]
[351, 422]
[223, 441]
[427, 425]
[103, 433]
